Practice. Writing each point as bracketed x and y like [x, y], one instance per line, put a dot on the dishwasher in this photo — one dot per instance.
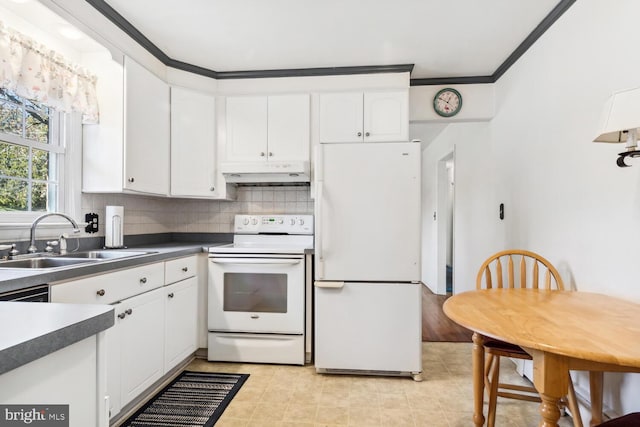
[39, 293]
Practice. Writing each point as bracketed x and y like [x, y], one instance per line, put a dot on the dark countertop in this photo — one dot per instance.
[16, 279]
[38, 329]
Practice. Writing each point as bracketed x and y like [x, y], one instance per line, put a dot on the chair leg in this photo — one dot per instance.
[572, 403]
[487, 371]
[493, 391]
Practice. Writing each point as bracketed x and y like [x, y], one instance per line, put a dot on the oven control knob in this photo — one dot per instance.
[301, 221]
[246, 221]
[254, 221]
[292, 221]
[280, 221]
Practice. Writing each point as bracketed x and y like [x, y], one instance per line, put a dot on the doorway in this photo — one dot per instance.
[445, 209]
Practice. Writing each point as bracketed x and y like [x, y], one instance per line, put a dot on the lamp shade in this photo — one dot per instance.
[621, 114]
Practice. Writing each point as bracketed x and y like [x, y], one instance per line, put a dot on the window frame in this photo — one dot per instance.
[65, 133]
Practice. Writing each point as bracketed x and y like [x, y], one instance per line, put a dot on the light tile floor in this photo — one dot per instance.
[277, 395]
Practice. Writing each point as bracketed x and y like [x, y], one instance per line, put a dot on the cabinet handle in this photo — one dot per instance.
[262, 154]
[270, 154]
[170, 295]
[212, 188]
[143, 280]
[128, 311]
[367, 134]
[255, 316]
[185, 269]
[101, 292]
[121, 316]
[359, 133]
[131, 179]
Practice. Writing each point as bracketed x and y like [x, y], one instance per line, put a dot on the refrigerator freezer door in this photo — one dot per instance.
[369, 327]
[368, 212]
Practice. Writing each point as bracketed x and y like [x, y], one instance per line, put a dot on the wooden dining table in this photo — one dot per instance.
[561, 330]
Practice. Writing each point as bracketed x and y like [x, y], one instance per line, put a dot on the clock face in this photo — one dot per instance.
[447, 102]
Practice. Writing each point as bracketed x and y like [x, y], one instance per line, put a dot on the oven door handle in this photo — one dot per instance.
[255, 261]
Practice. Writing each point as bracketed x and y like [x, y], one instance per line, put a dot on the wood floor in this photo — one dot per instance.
[436, 326]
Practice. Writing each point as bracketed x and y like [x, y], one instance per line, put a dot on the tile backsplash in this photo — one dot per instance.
[148, 215]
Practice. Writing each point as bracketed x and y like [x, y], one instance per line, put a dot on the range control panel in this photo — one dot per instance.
[273, 224]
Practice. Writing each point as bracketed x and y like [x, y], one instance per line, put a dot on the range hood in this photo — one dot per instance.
[265, 172]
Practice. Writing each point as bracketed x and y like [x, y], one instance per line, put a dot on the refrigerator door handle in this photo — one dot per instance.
[318, 231]
[329, 285]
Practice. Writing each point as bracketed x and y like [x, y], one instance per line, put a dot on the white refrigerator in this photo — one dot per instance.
[367, 291]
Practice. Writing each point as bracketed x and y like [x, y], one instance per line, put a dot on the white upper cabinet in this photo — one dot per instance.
[146, 131]
[247, 128]
[193, 143]
[375, 116]
[341, 117]
[288, 127]
[129, 149]
[268, 128]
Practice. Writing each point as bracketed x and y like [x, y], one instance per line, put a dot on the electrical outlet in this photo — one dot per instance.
[92, 222]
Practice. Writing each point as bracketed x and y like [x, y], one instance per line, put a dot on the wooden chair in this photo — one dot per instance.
[529, 267]
[629, 420]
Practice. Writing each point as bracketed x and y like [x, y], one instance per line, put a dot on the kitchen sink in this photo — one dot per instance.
[50, 261]
[105, 254]
[45, 262]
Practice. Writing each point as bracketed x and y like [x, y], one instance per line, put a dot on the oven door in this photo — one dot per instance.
[263, 294]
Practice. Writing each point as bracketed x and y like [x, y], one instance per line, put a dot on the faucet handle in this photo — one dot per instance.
[13, 252]
[50, 245]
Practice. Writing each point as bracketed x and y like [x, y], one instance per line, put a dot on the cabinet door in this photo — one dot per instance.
[114, 339]
[341, 117]
[386, 116]
[181, 321]
[142, 342]
[146, 123]
[193, 143]
[246, 128]
[288, 127]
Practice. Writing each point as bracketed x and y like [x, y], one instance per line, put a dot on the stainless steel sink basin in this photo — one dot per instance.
[49, 261]
[45, 262]
[105, 254]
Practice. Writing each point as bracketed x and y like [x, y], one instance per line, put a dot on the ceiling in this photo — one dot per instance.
[443, 39]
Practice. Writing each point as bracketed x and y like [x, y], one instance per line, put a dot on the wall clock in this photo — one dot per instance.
[447, 102]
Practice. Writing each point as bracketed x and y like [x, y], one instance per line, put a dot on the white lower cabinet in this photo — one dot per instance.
[65, 377]
[141, 320]
[156, 312]
[180, 322]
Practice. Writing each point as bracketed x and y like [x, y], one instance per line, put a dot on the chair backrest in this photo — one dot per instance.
[529, 265]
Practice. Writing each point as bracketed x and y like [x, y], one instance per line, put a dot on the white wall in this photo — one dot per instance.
[565, 197]
[477, 228]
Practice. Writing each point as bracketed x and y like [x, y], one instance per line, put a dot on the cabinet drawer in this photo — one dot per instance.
[180, 269]
[111, 287]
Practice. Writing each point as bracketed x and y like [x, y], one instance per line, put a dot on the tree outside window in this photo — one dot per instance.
[29, 155]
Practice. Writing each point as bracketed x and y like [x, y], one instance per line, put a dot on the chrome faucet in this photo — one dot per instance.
[32, 246]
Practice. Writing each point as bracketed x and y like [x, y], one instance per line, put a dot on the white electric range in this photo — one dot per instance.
[260, 291]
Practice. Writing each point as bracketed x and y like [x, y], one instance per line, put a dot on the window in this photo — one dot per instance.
[31, 155]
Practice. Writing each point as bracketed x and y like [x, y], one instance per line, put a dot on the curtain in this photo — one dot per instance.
[33, 71]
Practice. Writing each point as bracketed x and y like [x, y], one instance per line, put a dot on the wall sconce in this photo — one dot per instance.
[620, 123]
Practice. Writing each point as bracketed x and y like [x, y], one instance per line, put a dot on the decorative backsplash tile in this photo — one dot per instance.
[148, 215]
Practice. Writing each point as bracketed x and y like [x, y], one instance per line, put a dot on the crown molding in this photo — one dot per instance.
[111, 14]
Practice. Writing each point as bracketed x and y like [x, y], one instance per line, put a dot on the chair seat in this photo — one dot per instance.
[629, 420]
[504, 349]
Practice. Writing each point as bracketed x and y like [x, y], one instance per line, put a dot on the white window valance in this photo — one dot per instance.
[33, 71]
